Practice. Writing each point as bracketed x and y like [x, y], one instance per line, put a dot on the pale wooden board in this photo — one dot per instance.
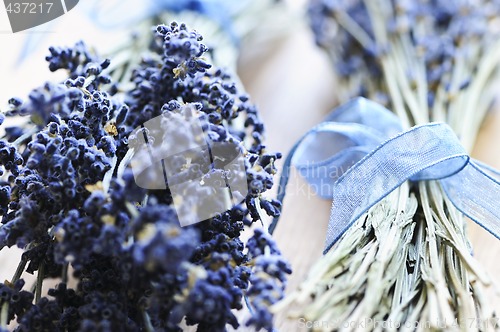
[293, 86]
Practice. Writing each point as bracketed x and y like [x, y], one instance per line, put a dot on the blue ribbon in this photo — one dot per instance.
[127, 12]
[113, 14]
[349, 157]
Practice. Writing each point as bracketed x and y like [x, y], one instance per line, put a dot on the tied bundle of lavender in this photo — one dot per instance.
[229, 24]
[69, 198]
[406, 264]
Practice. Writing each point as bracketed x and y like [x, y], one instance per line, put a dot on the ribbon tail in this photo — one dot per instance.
[476, 194]
[494, 173]
[285, 176]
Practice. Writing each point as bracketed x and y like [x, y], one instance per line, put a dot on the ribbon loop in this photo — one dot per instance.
[367, 113]
[321, 165]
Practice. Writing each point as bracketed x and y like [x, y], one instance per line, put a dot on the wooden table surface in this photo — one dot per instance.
[292, 84]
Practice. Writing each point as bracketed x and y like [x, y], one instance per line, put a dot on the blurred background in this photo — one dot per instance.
[286, 75]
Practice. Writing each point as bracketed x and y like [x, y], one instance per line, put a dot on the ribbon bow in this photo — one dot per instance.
[359, 154]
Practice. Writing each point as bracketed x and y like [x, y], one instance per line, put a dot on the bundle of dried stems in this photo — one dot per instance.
[407, 262]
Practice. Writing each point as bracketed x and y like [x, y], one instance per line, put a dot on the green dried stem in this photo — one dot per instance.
[4, 313]
[39, 282]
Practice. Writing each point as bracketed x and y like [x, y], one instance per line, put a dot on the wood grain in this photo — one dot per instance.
[293, 86]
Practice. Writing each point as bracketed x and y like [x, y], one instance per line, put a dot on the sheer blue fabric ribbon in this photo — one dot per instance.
[359, 154]
[112, 14]
[125, 12]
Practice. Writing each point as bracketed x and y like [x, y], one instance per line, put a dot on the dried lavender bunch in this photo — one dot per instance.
[69, 199]
[407, 262]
